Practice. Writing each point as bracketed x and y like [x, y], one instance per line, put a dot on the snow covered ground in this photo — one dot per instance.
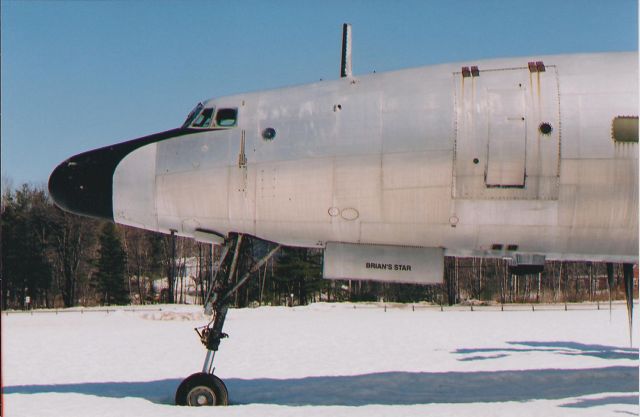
[326, 360]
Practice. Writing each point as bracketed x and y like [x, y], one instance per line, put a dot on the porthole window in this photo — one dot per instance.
[625, 129]
[545, 128]
[269, 133]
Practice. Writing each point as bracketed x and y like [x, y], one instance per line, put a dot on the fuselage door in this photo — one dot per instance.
[507, 136]
[507, 139]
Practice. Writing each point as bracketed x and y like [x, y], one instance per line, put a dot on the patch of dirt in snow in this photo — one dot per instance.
[174, 316]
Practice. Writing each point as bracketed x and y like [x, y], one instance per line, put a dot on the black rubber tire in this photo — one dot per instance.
[202, 389]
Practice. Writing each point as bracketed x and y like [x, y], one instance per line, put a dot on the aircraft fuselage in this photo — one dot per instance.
[504, 158]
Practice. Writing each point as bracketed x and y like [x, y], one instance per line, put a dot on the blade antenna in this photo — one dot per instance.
[345, 64]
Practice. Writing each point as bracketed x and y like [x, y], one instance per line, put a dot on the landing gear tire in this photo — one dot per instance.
[202, 389]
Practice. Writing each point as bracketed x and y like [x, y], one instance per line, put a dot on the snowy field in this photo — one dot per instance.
[327, 360]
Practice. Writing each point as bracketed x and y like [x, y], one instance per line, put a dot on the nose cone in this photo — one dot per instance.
[83, 184]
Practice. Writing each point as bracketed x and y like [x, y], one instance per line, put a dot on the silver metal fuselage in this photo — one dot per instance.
[424, 157]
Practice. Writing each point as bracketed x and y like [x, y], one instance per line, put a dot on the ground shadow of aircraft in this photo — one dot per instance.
[391, 388]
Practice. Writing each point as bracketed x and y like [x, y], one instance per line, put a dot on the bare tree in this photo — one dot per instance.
[73, 238]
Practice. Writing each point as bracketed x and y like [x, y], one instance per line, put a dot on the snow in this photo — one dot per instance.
[326, 360]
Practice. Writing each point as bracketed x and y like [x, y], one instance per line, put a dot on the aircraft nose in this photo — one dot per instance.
[83, 184]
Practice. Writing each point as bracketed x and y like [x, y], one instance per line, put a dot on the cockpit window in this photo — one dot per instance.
[192, 115]
[227, 117]
[204, 118]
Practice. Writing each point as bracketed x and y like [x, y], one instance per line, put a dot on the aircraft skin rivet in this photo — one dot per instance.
[453, 220]
[334, 211]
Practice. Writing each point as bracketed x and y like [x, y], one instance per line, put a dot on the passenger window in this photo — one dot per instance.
[227, 117]
[625, 129]
[204, 118]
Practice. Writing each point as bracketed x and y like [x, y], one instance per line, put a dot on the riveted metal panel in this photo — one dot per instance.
[502, 151]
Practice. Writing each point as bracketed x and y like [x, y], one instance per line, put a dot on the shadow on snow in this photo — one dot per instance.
[561, 348]
[388, 388]
[594, 402]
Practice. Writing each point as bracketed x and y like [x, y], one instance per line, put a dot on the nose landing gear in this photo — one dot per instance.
[204, 388]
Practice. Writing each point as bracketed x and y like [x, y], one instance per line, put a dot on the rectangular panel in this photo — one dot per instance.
[383, 263]
[506, 156]
[430, 205]
[416, 169]
[293, 191]
[187, 194]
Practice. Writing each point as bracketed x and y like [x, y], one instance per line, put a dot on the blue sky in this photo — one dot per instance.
[82, 74]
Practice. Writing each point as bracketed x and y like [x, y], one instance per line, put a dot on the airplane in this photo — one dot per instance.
[526, 159]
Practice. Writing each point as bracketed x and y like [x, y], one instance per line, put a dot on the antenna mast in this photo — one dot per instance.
[345, 64]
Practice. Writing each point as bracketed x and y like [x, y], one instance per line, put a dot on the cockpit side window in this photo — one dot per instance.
[227, 117]
[204, 119]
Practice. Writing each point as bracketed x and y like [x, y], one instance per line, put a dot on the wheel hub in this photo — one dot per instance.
[201, 396]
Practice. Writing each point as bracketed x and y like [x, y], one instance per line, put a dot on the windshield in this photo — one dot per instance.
[192, 115]
[204, 118]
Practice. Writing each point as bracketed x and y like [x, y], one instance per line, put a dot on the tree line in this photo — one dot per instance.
[51, 258]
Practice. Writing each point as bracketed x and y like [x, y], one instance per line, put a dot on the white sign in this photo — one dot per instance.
[383, 263]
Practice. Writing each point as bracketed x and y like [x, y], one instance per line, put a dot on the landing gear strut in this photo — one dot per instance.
[204, 388]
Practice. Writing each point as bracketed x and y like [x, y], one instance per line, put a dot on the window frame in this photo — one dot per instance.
[210, 118]
[235, 119]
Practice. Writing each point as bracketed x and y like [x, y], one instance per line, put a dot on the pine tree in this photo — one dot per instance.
[111, 267]
[26, 270]
[299, 272]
